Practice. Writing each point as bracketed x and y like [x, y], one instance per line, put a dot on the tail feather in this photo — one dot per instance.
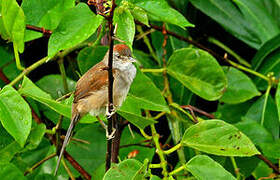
[66, 140]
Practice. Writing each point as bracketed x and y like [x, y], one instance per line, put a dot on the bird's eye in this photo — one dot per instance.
[118, 56]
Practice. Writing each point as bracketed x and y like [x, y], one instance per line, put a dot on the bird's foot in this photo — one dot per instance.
[112, 135]
[110, 114]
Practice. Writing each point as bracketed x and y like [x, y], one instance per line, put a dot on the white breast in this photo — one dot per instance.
[122, 82]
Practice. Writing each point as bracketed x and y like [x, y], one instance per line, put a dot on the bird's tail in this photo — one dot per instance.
[74, 121]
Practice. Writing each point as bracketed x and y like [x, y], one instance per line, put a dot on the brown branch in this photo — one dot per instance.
[111, 120]
[37, 119]
[192, 108]
[195, 43]
[269, 163]
[39, 29]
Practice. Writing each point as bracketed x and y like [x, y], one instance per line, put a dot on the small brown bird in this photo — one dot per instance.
[91, 94]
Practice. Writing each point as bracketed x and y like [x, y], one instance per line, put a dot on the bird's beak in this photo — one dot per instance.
[131, 59]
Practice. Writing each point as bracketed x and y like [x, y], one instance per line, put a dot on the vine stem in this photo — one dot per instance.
[174, 123]
[163, 162]
[265, 102]
[63, 74]
[45, 60]
[17, 57]
[227, 49]
[236, 169]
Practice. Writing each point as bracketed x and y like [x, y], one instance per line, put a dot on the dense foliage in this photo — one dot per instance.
[184, 73]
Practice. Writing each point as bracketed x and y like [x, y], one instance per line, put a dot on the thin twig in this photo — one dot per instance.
[200, 46]
[39, 29]
[39, 163]
[211, 116]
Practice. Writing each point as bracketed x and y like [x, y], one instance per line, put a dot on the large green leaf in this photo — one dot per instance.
[11, 172]
[3, 32]
[125, 25]
[240, 87]
[93, 153]
[257, 133]
[15, 114]
[271, 63]
[127, 169]
[198, 71]
[246, 20]
[14, 22]
[140, 15]
[264, 51]
[271, 149]
[29, 89]
[265, 114]
[159, 10]
[144, 93]
[90, 56]
[219, 138]
[131, 111]
[56, 89]
[232, 113]
[76, 25]
[204, 168]
[45, 14]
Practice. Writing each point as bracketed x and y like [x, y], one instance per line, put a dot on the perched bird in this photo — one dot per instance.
[91, 94]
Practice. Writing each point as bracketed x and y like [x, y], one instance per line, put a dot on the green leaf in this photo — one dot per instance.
[4, 34]
[128, 139]
[257, 133]
[262, 170]
[204, 168]
[144, 93]
[277, 99]
[93, 153]
[90, 56]
[132, 112]
[265, 114]
[246, 20]
[271, 149]
[14, 22]
[232, 113]
[45, 14]
[161, 11]
[36, 135]
[29, 89]
[15, 114]
[127, 169]
[76, 25]
[198, 71]
[240, 87]
[267, 48]
[125, 25]
[271, 64]
[56, 89]
[140, 15]
[219, 138]
[7, 153]
[11, 172]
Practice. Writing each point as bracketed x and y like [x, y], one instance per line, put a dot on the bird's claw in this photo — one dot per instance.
[110, 114]
[112, 135]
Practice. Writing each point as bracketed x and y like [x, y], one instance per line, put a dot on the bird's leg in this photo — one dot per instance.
[110, 114]
[101, 122]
